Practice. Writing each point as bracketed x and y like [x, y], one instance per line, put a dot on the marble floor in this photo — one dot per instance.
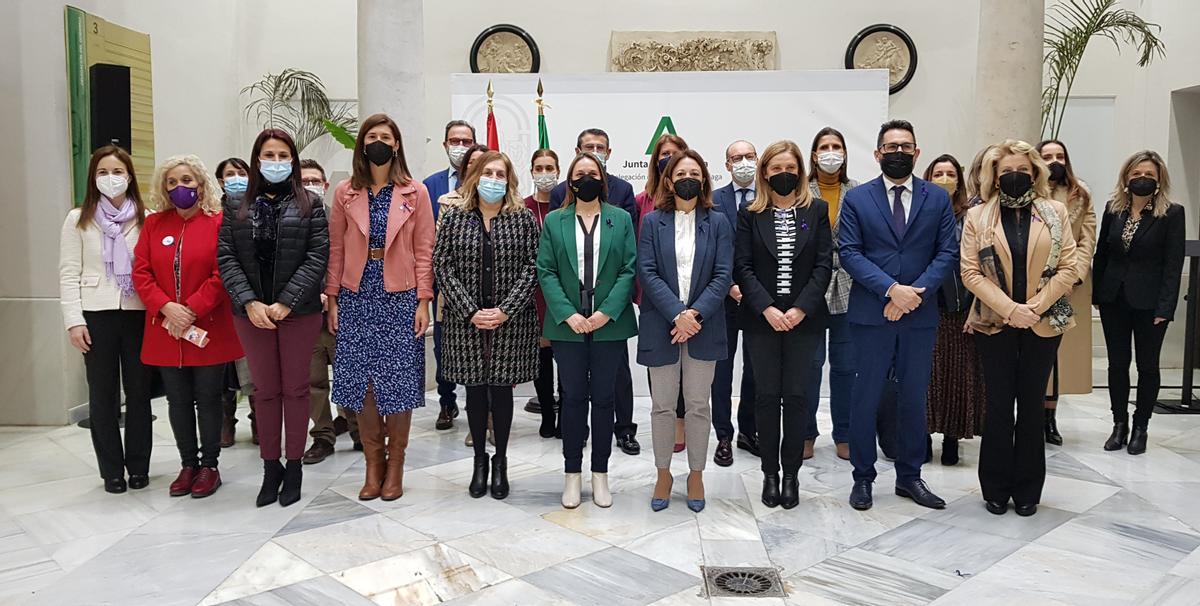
[1112, 529]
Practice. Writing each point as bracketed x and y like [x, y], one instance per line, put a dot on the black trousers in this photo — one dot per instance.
[543, 386]
[722, 385]
[194, 398]
[1012, 453]
[623, 405]
[115, 359]
[782, 367]
[1120, 322]
[589, 370]
[498, 401]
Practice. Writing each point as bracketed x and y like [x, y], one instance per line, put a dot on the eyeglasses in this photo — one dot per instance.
[889, 148]
[312, 182]
[735, 159]
[461, 142]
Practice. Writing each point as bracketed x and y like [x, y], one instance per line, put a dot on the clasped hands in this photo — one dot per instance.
[583, 326]
[177, 319]
[1023, 316]
[902, 300]
[686, 326]
[265, 316]
[489, 319]
[784, 321]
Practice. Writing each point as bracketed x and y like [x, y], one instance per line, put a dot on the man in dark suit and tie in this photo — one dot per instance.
[898, 240]
[620, 194]
[741, 161]
[459, 136]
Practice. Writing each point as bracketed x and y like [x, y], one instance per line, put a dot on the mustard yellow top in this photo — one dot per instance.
[831, 190]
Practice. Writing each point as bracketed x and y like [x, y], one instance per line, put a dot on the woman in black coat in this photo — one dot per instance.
[1138, 265]
[485, 260]
[272, 253]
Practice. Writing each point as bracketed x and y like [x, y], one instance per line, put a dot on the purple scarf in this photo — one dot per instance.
[118, 260]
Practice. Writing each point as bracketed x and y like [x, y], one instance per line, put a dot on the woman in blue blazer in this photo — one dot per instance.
[685, 254]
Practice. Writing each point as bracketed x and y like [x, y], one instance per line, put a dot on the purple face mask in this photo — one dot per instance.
[183, 197]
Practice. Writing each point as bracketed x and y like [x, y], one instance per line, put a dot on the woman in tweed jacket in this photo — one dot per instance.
[485, 263]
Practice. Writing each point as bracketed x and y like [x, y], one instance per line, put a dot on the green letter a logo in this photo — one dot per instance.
[664, 125]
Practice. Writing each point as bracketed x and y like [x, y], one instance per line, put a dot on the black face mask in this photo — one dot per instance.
[784, 183]
[1014, 184]
[587, 188]
[687, 189]
[1143, 186]
[662, 164]
[1058, 172]
[897, 164]
[379, 153]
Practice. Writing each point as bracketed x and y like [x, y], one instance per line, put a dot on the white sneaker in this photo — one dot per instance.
[600, 494]
[571, 490]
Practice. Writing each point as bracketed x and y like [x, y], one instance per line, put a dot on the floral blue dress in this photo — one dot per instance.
[375, 343]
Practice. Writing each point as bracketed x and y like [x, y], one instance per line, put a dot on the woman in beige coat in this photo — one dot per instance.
[1018, 259]
[1073, 370]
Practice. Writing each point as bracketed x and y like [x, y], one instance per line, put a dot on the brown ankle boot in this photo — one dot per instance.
[371, 430]
[398, 426]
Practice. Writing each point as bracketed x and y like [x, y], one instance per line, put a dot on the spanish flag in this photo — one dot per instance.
[493, 137]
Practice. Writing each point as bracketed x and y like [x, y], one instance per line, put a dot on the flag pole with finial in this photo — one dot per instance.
[543, 134]
[493, 137]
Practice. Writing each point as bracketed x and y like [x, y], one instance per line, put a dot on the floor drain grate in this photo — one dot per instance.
[745, 582]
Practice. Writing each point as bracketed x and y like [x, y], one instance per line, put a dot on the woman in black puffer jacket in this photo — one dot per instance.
[272, 254]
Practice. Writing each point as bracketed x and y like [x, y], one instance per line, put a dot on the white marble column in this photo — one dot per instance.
[391, 64]
[1008, 71]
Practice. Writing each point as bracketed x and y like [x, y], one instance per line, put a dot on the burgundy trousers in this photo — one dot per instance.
[279, 361]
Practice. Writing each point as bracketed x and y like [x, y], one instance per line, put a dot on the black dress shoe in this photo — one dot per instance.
[479, 479]
[996, 507]
[445, 420]
[1025, 510]
[1137, 441]
[114, 485]
[629, 445]
[139, 482]
[723, 456]
[358, 447]
[1052, 435]
[919, 492]
[499, 477]
[534, 406]
[949, 451]
[860, 495]
[748, 443]
[789, 494]
[770, 493]
[1119, 437]
[547, 428]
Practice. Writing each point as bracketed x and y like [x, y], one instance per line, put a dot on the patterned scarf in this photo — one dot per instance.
[264, 218]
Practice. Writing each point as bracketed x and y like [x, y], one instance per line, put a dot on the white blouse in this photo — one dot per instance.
[580, 238]
[685, 251]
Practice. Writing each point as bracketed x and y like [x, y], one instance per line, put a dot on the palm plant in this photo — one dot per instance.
[295, 101]
[1070, 25]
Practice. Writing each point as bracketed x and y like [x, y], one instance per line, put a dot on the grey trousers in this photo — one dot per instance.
[696, 378]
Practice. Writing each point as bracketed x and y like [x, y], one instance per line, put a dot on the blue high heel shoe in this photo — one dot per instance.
[659, 504]
[696, 505]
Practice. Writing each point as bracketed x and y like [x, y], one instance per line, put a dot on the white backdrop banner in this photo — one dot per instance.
[708, 109]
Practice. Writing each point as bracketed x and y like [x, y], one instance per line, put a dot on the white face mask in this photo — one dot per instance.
[744, 171]
[456, 153]
[316, 189]
[545, 181]
[830, 162]
[112, 185]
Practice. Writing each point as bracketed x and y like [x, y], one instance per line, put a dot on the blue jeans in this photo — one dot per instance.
[841, 380]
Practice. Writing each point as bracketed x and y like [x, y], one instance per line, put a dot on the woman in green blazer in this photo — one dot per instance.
[586, 265]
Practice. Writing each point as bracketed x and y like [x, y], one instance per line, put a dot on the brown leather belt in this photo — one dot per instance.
[375, 253]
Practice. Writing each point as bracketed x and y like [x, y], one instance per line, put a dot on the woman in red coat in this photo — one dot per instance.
[175, 274]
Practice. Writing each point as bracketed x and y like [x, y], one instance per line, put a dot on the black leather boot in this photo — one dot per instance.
[949, 451]
[1052, 435]
[770, 493]
[499, 477]
[272, 478]
[479, 480]
[1119, 437]
[1137, 441]
[789, 494]
[293, 474]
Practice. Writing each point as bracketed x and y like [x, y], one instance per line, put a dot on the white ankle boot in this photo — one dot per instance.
[600, 494]
[571, 489]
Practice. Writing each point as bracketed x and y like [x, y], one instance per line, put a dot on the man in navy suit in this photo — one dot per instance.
[897, 239]
[620, 194]
[741, 161]
[459, 136]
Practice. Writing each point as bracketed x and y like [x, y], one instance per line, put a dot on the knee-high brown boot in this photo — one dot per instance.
[398, 426]
[371, 430]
